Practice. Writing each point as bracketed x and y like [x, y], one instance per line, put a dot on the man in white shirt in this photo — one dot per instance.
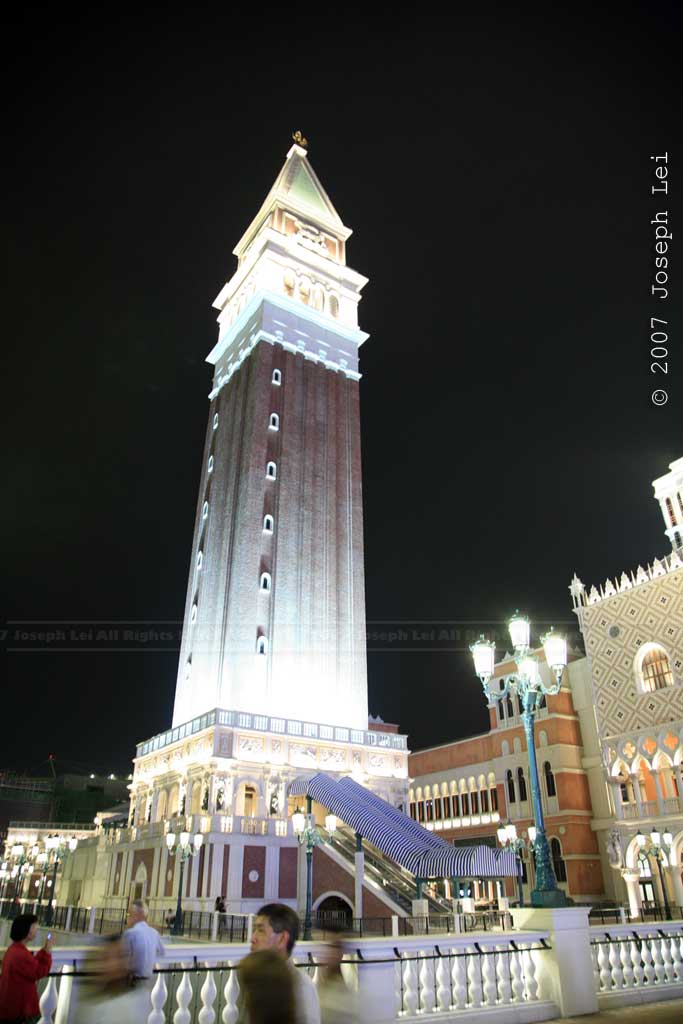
[276, 927]
[143, 947]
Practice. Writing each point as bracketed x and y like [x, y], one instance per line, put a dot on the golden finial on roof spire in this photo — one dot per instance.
[300, 140]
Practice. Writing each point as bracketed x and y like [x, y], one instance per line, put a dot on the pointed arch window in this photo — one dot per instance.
[510, 708]
[277, 377]
[559, 866]
[654, 668]
[521, 781]
[274, 421]
[271, 471]
[512, 797]
[268, 524]
[262, 645]
[265, 581]
[549, 779]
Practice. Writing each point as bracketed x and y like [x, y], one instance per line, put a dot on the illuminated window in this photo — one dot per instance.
[412, 808]
[205, 510]
[262, 645]
[215, 421]
[268, 524]
[456, 805]
[654, 668]
[210, 466]
[274, 421]
[559, 866]
[334, 305]
[465, 804]
[521, 781]
[200, 559]
[484, 798]
[265, 581]
[277, 377]
[670, 510]
[446, 806]
[494, 798]
[193, 614]
[511, 787]
[549, 779]
[438, 809]
[474, 798]
[510, 708]
[271, 471]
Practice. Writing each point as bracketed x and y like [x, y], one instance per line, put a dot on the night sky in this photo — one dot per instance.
[496, 172]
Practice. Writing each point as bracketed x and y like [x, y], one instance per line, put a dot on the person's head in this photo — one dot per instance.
[276, 927]
[137, 912]
[268, 988]
[332, 956]
[24, 928]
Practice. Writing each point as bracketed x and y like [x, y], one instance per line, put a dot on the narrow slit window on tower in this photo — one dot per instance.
[268, 524]
[521, 781]
[271, 471]
[265, 581]
[277, 377]
[205, 510]
[188, 668]
[200, 560]
[193, 614]
[215, 421]
[210, 466]
[274, 421]
[261, 645]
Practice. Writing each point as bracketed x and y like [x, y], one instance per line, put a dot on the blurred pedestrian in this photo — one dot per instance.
[338, 1002]
[21, 969]
[142, 943]
[276, 928]
[107, 993]
[266, 989]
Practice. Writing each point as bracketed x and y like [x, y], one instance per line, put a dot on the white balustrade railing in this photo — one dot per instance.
[634, 963]
[198, 984]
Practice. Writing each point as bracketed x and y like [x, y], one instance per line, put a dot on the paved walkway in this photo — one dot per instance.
[669, 1012]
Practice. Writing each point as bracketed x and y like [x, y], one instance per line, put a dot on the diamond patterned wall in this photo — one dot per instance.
[613, 630]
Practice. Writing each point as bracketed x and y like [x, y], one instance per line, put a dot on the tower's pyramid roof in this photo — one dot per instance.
[297, 188]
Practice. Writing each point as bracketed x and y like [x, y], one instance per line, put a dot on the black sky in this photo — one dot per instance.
[496, 172]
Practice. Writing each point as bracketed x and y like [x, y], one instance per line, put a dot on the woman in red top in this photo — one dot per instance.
[20, 972]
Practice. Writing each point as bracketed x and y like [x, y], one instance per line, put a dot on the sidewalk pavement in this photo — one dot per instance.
[669, 1012]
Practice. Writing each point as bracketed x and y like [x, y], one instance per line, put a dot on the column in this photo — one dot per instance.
[632, 880]
[658, 790]
[674, 872]
[618, 802]
[637, 794]
[678, 770]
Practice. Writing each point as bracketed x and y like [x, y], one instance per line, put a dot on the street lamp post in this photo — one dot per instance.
[507, 836]
[56, 852]
[529, 687]
[658, 846]
[308, 835]
[188, 846]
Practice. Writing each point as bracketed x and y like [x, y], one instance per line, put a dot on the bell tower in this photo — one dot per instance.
[275, 609]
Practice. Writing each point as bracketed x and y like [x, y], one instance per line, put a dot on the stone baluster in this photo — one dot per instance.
[64, 997]
[183, 998]
[427, 993]
[648, 966]
[665, 946]
[517, 976]
[230, 994]
[596, 966]
[531, 984]
[48, 1001]
[636, 960]
[488, 972]
[503, 975]
[443, 988]
[159, 996]
[398, 979]
[658, 960]
[615, 964]
[677, 957]
[635, 782]
[605, 970]
[626, 963]
[410, 986]
[474, 978]
[207, 1014]
[460, 981]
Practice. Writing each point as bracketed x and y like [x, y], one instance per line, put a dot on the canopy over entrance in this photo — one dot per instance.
[400, 838]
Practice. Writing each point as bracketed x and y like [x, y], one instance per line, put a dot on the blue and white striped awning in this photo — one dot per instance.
[399, 837]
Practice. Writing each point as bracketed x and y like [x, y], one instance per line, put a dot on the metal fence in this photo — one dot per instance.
[647, 912]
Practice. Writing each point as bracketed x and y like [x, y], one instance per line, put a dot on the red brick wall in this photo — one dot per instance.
[287, 876]
[254, 860]
[330, 876]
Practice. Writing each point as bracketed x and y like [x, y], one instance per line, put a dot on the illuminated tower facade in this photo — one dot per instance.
[275, 611]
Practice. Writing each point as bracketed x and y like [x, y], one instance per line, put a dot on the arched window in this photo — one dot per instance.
[541, 701]
[277, 377]
[200, 560]
[193, 614]
[521, 781]
[274, 421]
[465, 804]
[210, 466]
[484, 798]
[271, 471]
[261, 645]
[670, 510]
[549, 779]
[205, 510]
[268, 524]
[474, 799]
[559, 866]
[412, 808]
[420, 810]
[511, 786]
[456, 805]
[654, 668]
[333, 305]
[215, 421]
[494, 798]
[430, 809]
[446, 806]
[438, 809]
[265, 581]
[510, 708]
[520, 709]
